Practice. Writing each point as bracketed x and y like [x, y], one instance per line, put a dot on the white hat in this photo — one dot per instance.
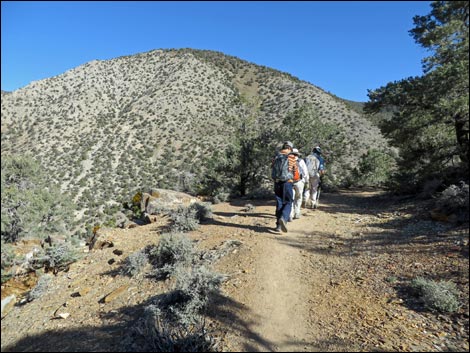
[296, 151]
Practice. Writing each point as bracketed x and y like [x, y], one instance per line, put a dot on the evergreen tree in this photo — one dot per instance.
[430, 123]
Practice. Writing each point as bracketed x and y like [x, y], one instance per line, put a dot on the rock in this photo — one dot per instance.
[114, 294]
[7, 304]
[149, 218]
[160, 200]
[102, 244]
[129, 225]
[84, 291]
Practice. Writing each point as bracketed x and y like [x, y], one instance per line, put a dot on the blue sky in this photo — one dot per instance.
[344, 47]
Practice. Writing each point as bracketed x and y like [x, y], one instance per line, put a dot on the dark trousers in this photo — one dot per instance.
[284, 197]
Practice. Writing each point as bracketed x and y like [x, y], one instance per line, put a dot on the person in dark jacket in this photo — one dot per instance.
[284, 190]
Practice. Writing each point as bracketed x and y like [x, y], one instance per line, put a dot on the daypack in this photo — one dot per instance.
[280, 169]
[313, 165]
[296, 175]
[321, 167]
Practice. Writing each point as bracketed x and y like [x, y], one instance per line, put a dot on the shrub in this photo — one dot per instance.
[174, 249]
[203, 210]
[184, 219]
[188, 301]
[40, 288]
[221, 197]
[8, 259]
[200, 283]
[154, 333]
[134, 263]
[436, 296]
[57, 257]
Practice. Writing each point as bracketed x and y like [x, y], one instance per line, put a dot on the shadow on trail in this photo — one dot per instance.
[380, 235]
[256, 228]
[354, 201]
[83, 339]
[243, 214]
[116, 333]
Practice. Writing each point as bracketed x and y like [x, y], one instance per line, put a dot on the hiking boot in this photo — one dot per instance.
[283, 225]
[278, 229]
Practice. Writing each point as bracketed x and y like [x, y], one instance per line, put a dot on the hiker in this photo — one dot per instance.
[316, 168]
[299, 182]
[283, 169]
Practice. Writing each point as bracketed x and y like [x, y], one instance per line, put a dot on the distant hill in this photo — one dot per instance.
[107, 128]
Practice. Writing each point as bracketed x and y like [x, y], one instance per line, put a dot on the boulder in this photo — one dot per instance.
[161, 201]
[7, 304]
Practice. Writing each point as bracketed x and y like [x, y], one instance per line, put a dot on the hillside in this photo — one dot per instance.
[106, 129]
[339, 280]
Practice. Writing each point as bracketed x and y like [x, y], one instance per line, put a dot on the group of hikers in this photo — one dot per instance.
[296, 182]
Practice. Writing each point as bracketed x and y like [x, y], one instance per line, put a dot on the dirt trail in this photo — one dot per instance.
[332, 283]
[335, 282]
[280, 299]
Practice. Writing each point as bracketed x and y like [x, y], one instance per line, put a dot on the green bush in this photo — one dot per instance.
[375, 168]
[32, 206]
[436, 296]
[8, 259]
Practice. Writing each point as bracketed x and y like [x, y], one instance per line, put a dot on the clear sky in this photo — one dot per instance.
[344, 47]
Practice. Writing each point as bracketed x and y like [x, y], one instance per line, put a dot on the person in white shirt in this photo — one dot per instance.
[299, 185]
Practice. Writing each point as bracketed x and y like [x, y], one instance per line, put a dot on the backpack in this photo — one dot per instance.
[321, 167]
[296, 175]
[313, 165]
[280, 169]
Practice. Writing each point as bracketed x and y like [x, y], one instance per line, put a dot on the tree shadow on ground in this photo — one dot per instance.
[116, 332]
[82, 339]
[400, 233]
[377, 243]
[354, 201]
